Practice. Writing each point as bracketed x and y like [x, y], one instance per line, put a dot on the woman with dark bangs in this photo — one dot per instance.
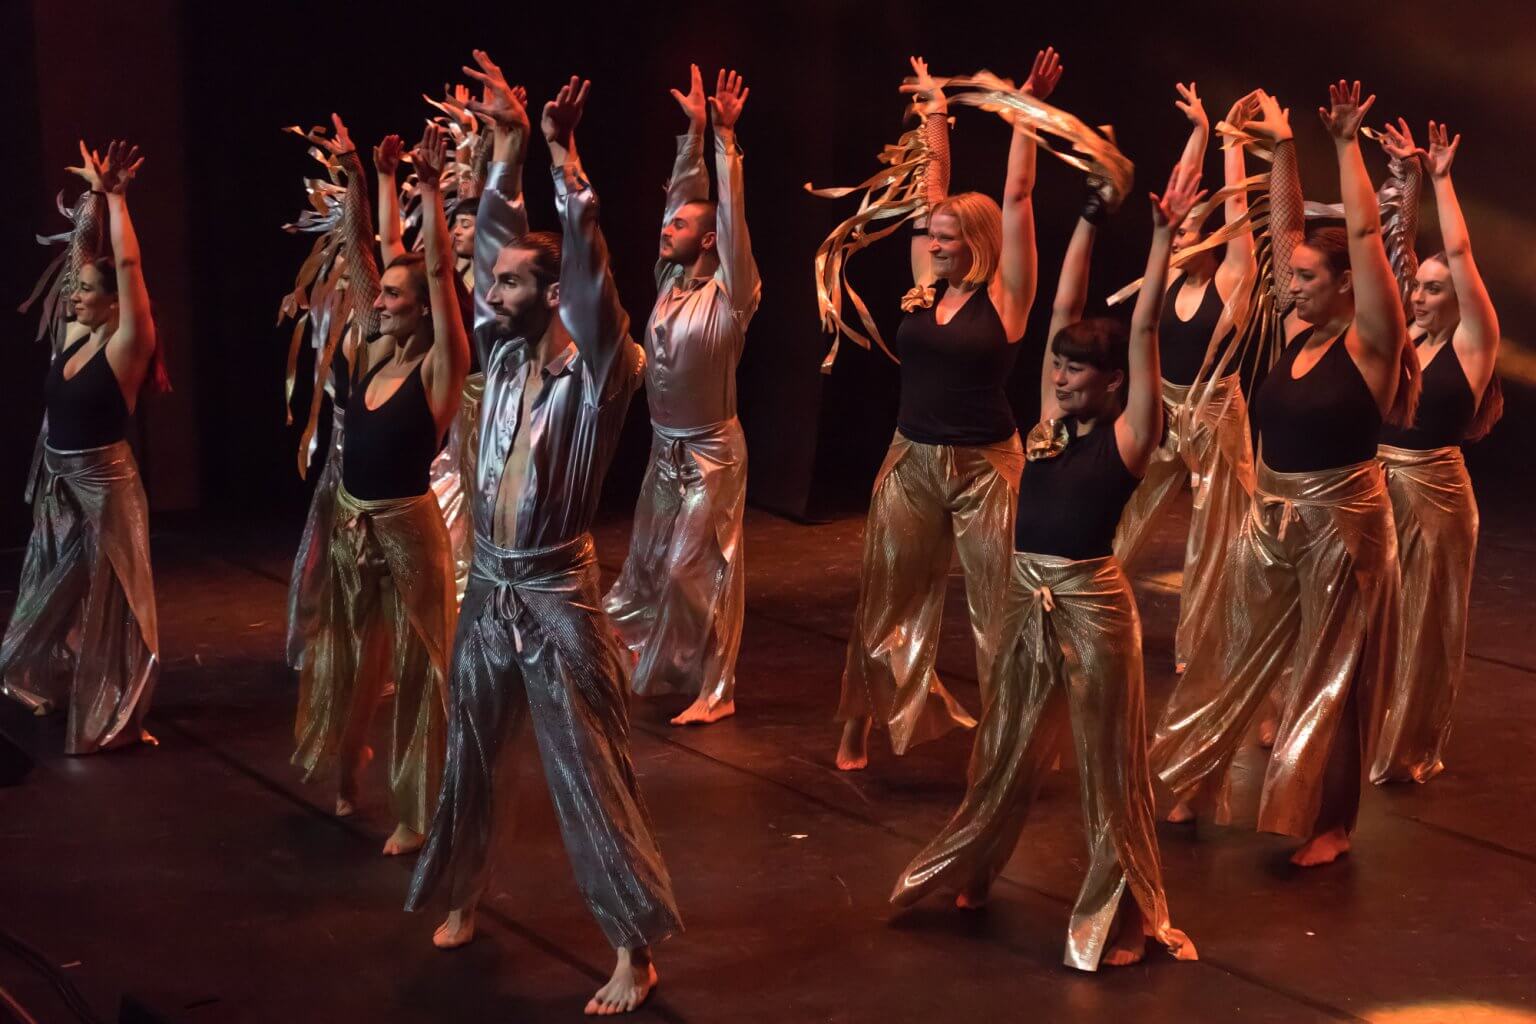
[1068, 638]
[952, 471]
[1432, 502]
[1309, 587]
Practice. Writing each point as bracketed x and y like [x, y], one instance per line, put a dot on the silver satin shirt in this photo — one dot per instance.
[697, 328]
[578, 415]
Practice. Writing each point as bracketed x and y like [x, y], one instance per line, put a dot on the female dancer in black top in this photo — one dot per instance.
[1310, 585]
[83, 632]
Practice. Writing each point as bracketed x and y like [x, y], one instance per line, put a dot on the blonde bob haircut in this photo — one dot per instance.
[981, 229]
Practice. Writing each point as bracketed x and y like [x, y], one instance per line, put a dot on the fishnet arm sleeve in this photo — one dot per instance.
[1287, 218]
[357, 246]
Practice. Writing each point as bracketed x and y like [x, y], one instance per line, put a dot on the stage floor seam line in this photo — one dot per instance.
[1486, 844]
[355, 831]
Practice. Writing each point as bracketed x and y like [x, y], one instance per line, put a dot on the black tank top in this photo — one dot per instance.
[388, 451]
[87, 410]
[1446, 407]
[953, 375]
[1181, 344]
[1070, 505]
[1325, 420]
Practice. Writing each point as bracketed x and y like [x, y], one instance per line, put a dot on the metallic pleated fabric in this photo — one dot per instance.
[1205, 448]
[928, 501]
[1069, 650]
[386, 613]
[1436, 517]
[85, 606]
[533, 642]
[454, 465]
[311, 565]
[679, 600]
[1310, 586]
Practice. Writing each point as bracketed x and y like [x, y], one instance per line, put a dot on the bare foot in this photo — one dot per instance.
[853, 751]
[1182, 813]
[634, 975]
[1180, 666]
[345, 808]
[1267, 729]
[700, 713]
[346, 799]
[456, 931]
[973, 897]
[404, 840]
[148, 738]
[1322, 849]
[1129, 944]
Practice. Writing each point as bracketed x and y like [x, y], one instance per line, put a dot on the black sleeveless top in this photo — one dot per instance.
[1070, 505]
[1325, 420]
[1181, 344]
[1446, 407]
[388, 451]
[953, 375]
[87, 410]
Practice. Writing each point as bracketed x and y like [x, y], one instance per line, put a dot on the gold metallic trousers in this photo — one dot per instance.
[678, 602]
[928, 501]
[1069, 649]
[533, 643]
[1310, 586]
[455, 465]
[386, 613]
[84, 631]
[1205, 448]
[1436, 517]
[311, 565]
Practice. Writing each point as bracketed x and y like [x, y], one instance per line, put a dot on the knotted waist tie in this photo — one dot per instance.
[513, 574]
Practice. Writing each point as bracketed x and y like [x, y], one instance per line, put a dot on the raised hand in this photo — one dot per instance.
[386, 155]
[927, 97]
[89, 169]
[1441, 152]
[563, 113]
[693, 104]
[1181, 195]
[1397, 141]
[117, 170]
[505, 105]
[1271, 122]
[1345, 112]
[730, 96]
[1045, 73]
[1243, 111]
[339, 144]
[430, 156]
[1189, 103]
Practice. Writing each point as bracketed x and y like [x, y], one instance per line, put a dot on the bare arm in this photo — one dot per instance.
[732, 241]
[1379, 322]
[447, 362]
[386, 161]
[1238, 263]
[929, 103]
[1071, 297]
[1479, 329]
[132, 345]
[1018, 266]
[1199, 127]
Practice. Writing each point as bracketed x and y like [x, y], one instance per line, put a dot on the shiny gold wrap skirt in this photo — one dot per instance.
[454, 465]
[1069, 650]
[1205, 448]
[928, 502]
[311, 564]
[1436, 516]
[1309, 588]
[533, 643]
[386, 613]
[678, 602]
[84, 632]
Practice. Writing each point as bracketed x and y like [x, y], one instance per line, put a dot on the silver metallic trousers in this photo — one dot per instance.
[533, 642]
[678, 602]
[85, 607]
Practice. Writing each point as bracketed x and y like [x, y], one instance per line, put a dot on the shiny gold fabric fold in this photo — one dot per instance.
[311, 564]
[450, 470]
[84, 632]
[679, 600]
[1069, 649]
[386, 613]
[929, 501]
[1309, 586]
[1204, 450]
[1436, 516]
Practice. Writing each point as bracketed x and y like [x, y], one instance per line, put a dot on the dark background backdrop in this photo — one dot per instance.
[205, 87]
